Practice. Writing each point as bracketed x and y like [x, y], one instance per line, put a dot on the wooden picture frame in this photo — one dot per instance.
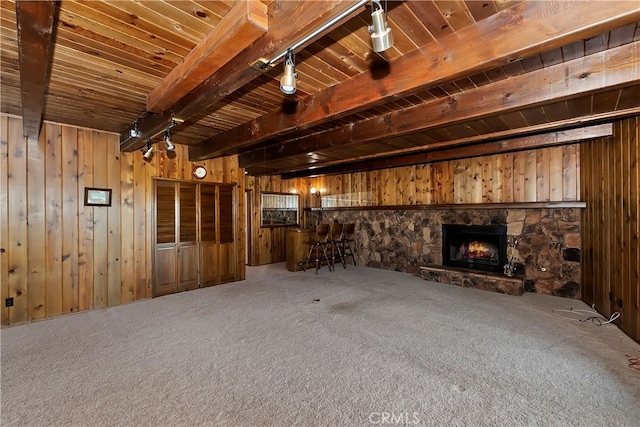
[97, 196]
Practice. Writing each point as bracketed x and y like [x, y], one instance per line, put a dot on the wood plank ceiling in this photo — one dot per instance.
[460, 73]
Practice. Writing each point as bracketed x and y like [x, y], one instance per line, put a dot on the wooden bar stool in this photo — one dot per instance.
[335, 239]
[346, 241]
[319, 244]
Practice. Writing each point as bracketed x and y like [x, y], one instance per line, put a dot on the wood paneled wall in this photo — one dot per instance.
[57, 255]
[542, 175]
[611, 262]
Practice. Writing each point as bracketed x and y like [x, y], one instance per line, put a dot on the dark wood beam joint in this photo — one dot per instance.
[36, 33]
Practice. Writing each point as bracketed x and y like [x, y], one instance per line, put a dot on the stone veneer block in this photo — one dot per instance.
[468, 279]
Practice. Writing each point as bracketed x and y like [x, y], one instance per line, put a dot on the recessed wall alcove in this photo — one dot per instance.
[547, 254]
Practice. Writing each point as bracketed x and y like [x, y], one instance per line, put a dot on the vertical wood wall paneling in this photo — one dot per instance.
[37, 227]
[543, 176]
[634, 219]
[53, 214]
[127, 228]
[487, 179]
[4, 217]
[569, 164]
[610, 187]
[18, 241]
[101, 223]
[85, 221]
[69, 151]
[114, 222]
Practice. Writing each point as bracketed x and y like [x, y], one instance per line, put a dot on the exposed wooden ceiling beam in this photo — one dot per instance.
[481, 149]
[539, 26]
[35, 22]
[289, 22]
[243, 25]
[572, 79]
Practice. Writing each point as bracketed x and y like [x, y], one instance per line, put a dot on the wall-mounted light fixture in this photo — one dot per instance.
[315, 192]
[147, 151]
[381, 36]
[288, 80]
[167, 140]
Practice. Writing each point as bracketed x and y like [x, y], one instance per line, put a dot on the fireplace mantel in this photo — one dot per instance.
[516, 205]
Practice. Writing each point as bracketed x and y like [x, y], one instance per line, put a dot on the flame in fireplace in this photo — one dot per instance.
[478, 250]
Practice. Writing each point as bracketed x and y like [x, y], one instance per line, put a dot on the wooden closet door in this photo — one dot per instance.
[227, 261]
[208, 241]
[188, 256]
[165, 239]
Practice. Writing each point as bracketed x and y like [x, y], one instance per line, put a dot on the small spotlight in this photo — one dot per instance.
[147, 151]
[381, 36]
[288, 80]
[167, 141]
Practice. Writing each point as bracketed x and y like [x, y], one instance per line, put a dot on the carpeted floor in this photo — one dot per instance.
[358, 347]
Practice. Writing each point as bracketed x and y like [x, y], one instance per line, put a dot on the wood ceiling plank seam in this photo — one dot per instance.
[320, 68]
[78, 34]
[106, 83]
[88, 102]
[202, 15]
[573, 51]
[533, 116]
[88, 97]
[70, 57]
[596, 43]
[85, 94]
[431, 17]
[622, 35]
[124, 59]
[607, 101]
[337, 57]
[629, 98]
[402, 40]
[456, 13]
[557, 111]
[405, 20]
[108, 25]
[552, 57]
[217, 8]
[163, 18]
[464, 84]
[481, 9]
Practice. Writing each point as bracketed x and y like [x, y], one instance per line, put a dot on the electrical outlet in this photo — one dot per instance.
[8, 302]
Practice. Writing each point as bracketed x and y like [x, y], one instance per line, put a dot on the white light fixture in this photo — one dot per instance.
[381, 36]
[147, 151]
[167, 141]
[288, 80]
[315, 192]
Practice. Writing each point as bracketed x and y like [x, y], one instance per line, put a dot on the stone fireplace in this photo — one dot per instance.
[547, 256]
[476, 247]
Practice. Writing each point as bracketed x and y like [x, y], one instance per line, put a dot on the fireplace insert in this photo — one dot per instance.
[478, 247]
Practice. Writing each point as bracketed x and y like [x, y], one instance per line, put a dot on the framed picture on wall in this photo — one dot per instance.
[97, 196]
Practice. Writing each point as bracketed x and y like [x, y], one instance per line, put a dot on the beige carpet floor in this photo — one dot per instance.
[358, 347]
